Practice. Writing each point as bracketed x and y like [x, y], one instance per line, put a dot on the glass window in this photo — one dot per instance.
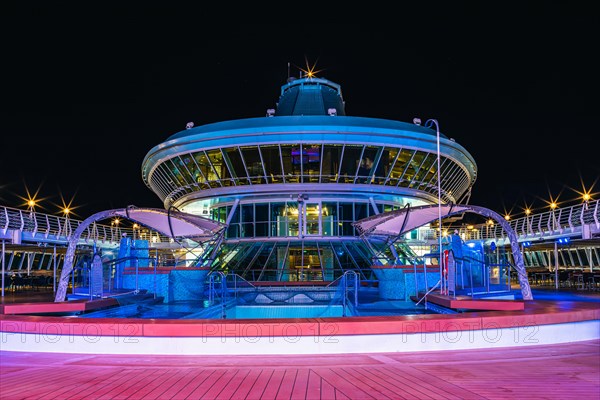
[272, 160]
[175, 172]
[206, 168]
[183, 169]
[234, 158]
[253, 164]
[330, 221]
[413, 167]
[311, 162]
[423, 168]
[346, 219]
[332, 155]
[400, 166]
[366, 169]
[291, 168]
[350, 163]
[311, 213]
[361, 210]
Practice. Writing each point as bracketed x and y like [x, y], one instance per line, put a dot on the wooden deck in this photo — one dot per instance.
[567, 371]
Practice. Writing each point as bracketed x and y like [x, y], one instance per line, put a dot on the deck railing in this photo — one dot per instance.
[47, 227]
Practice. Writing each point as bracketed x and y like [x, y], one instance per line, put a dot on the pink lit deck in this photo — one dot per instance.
[58, 307]
[469, 303]
[567, 371]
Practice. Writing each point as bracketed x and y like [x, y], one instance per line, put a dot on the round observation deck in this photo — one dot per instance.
[298, 178]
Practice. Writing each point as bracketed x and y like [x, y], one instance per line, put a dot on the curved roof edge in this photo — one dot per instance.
[303, 120]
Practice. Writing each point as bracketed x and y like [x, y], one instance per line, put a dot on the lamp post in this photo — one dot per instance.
[586, 201]
[428, 124]
[66, 211]
[31, 203]
[553, 206]
[527, 213]
[488, 224]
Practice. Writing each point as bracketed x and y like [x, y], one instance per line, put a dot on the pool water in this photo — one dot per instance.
[200, 310]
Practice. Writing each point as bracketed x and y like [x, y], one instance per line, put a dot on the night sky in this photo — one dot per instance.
[88, 91]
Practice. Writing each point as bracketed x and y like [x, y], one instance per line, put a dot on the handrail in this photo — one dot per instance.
[50, 227]
[354, 277]
[427, 293]
[212, 292]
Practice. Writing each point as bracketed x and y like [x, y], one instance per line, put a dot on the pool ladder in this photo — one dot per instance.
[349, 282]
[216, 292]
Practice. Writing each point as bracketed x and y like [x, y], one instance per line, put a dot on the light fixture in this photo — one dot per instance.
[429, 124]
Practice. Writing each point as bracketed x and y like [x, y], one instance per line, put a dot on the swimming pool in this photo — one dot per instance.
[232, 310]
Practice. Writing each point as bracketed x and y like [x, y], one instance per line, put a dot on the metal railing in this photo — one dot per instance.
[37, 226]
[217, 290]
[52, 228]
[347, 283]
[561, 221]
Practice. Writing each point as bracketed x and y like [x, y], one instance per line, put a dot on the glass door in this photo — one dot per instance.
[312, 219]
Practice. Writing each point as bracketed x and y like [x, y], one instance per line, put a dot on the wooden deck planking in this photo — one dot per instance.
[398, 383]
[199, 376]
[342, 385]
[205, 386]
[96, 387]
[432, 384]
[17, 383]
[131, 389]
[246, 384]
[365, 384]
[43, 384]
[260, 384]
[300, 385]
[501, 380]
[287, 384]
[372, 381]
[113, 386]
[155, 390]
[327, 390]
[314, 385]
[131, 378]
[29, 387]
[571, 370]
[232, 385]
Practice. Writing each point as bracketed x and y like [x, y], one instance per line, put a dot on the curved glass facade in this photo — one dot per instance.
[315, 163]
[291, 184]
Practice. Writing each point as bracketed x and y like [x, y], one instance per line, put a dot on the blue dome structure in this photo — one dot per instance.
[289, 185]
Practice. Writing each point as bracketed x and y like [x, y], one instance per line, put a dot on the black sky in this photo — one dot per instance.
[87, 92]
